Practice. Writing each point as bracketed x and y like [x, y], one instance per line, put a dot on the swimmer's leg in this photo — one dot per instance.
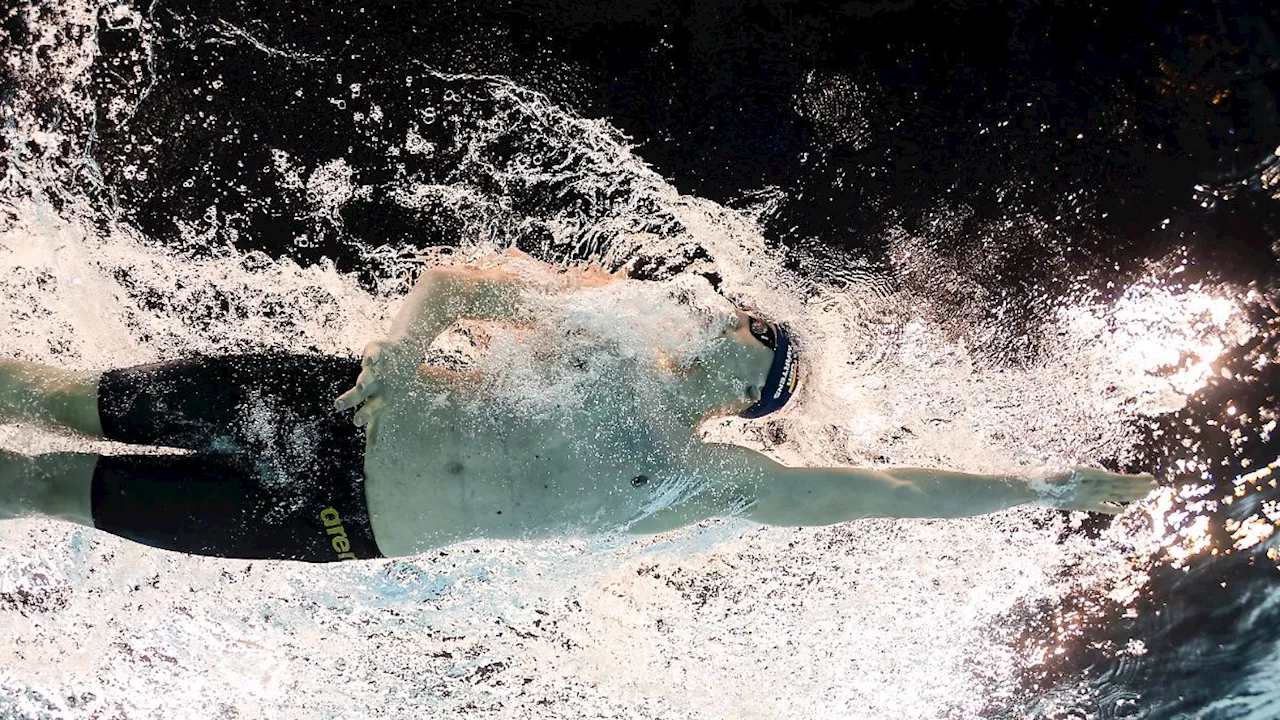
[46, 395]
[256, 404]
[232, 506]
[57, 485]
[216, 505]
[196, 403]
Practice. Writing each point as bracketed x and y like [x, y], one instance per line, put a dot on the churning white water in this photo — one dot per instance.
[877, 618]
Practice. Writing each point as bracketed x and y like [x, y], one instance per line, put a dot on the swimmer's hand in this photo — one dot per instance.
[384, 362]
[1093, 490]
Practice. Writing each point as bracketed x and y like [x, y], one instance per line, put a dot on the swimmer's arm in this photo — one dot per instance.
[775, 494]
[824, 496]
[444, 295]
[821, 496]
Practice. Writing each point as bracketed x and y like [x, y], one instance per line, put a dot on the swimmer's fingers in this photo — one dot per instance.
[367, 386]
[1104, 492]
[354, 396]
[1116, 488]
[348, 399]
[381, 359]
[1105, 507]
[1127, 488]
[371, 430]
[368, 412]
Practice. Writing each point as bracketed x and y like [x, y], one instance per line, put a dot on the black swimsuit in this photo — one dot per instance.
[276, 472]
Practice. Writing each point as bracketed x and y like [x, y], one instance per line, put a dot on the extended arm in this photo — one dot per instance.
[822, 496]
[774, 494]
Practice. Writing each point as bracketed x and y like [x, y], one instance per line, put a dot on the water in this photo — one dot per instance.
[970, 294]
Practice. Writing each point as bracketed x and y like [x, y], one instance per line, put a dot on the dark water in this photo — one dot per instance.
[1105, 120]
[1067, 145]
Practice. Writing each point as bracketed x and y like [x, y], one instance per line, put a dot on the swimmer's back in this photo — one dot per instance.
[446, 468]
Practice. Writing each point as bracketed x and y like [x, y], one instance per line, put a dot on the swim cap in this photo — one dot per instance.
[780, 383]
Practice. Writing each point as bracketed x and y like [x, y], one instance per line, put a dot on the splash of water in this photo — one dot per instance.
[878, 618]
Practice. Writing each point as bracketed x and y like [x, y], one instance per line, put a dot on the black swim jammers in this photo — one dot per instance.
[275, 472]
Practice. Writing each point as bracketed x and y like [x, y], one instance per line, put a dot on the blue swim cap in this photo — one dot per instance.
[780, 384]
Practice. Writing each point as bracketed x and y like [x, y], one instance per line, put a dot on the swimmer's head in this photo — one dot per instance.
[752, 367]
[784, 369]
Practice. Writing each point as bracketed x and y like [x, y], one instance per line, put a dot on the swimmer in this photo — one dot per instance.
[318, 458]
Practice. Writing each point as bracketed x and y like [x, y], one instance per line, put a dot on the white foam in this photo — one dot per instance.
[878, 619]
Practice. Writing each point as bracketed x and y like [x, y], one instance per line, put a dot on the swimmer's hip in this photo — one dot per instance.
[275, 473]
